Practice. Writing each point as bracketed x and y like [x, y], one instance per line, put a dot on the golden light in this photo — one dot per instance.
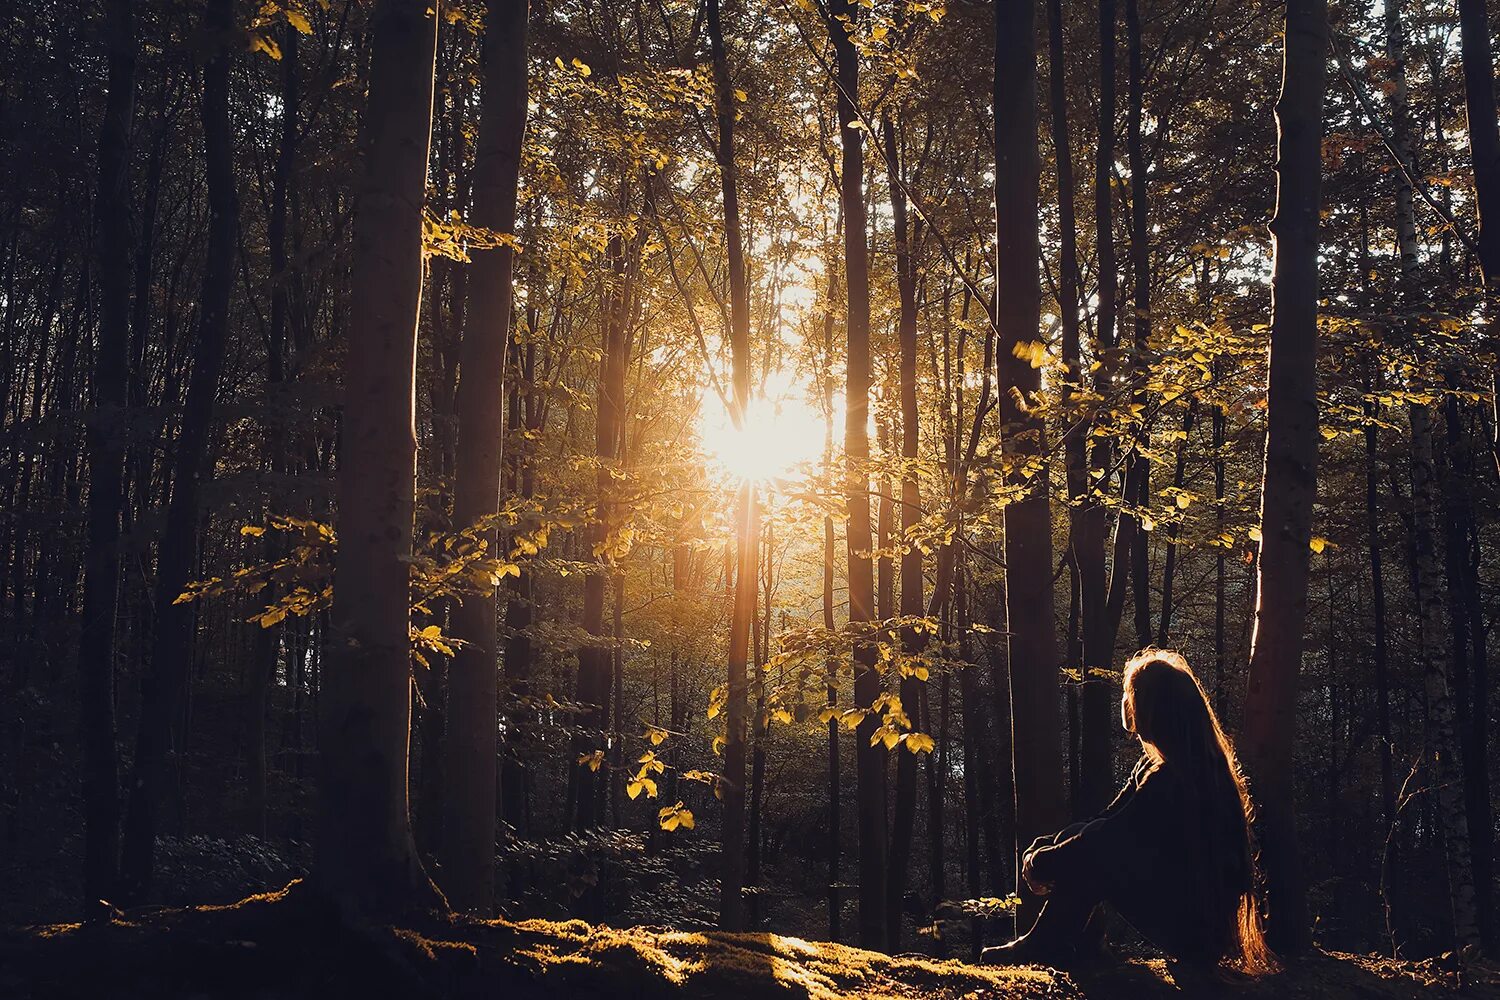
[782, 437]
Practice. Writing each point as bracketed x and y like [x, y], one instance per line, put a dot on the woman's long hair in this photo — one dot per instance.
[1166, 707]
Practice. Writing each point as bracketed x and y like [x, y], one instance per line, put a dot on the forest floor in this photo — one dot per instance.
[284, 945]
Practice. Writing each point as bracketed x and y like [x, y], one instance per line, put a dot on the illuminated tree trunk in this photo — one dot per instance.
[1032, 645]
[469, 746]
[870, 761]
[366, 860]
[166, 677]
[1290, 481]
[106, 457]
[732, 877]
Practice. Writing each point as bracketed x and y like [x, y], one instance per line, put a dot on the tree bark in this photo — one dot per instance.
[731, 902]
[1442, 741]
[1032, 648]
[162, 687]
[1438, 665]
[1140, 268]
[1289, 488]
[106, 457]
[365, 858]
[905, 805]
[1483, 127]
[870, 761]
[1086, 517]
[469, 746]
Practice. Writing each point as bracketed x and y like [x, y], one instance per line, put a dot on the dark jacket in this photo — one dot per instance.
[1144, 855]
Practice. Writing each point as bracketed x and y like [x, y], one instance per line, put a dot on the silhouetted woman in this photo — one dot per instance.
[1172, 854]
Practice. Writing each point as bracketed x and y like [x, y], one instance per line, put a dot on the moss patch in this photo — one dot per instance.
[287, 945]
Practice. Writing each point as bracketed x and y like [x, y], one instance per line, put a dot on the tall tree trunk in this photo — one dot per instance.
[1104, 164]
[594, 659]
[731, 903]
[834, 842]
[1140, 267]
[162, 687]
[1377, 600]
[1470, 673]
[1438, 664]
[1290, 481]
[870, 761]
[1032, 648]
[268, 640]
[1483, 127]
[366, 860]
[1477, 57]
[905, 805]
[1086, 517]
[106, 457]
[1442, 741]
[469, 750]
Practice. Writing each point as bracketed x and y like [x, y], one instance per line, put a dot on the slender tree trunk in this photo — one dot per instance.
[870, 761]
[1221, 420]
[366, 859]
[1471, 687]
[1438, 666]
[1169, 568]
[469, 747]
[106, 457]
[268, 641]
[1104, 163]
[162, 687]
[1442, 741]
[834, 843]
[1090, 709]
[1032, 649]
[731, 903]
[1483, 127]
[1377, 600]
[905, 805]
[1140, 267]
[1290, 482]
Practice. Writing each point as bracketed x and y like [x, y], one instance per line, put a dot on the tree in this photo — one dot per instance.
[1032, 644]
[1289, 486]
[473, 678]
[742, 617]
[106, 456]
[870, 755]
[162, 687]
[365, 858]
[905, 802]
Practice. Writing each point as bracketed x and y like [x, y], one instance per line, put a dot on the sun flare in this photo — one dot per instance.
[782, 438]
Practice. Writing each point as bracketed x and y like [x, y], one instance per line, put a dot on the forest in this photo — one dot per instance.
[657, 497]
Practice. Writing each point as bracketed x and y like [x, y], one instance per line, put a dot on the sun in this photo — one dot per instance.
[782, 437]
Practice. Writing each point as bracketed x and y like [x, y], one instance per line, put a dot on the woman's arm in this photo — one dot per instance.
[1096, 843]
